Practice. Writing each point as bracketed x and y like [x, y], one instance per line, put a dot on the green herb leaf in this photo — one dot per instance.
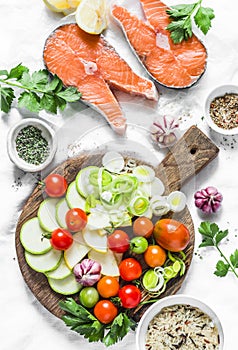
[119, 328]
[221, 269]
[54, 85]
[177, 31]
[17, 72]
[183, 14]
[26, 81]
[30, 100]
[81, 320]
[181, 10]
[48, 103]
[39, 90]
[40, 79]
[70, 94]
[60, 102]
[234, 259]
[212, 236]
[220, 236]
[203, 18]
[4, 72]
[6, 98]
[207, 242]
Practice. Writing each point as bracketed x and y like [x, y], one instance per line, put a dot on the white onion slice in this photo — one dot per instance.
[177, 201]
[113, 162]
[144, 173]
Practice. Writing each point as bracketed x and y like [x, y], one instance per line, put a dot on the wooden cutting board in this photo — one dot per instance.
[187, 157]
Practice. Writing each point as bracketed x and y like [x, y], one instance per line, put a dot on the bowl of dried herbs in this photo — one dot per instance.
[31, 144]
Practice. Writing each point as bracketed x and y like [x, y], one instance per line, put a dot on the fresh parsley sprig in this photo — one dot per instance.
[212, 236]
[83, 322]
[40, 91]
[182, 15]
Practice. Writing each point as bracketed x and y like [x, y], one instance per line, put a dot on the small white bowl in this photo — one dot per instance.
[47, 132]
[179, 299]
[219, 91]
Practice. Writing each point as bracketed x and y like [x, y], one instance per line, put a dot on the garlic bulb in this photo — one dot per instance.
[164, 131]
[88, 272]
[208, 199]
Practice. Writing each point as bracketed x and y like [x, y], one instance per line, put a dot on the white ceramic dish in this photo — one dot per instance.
[169, 301]
[47, 132]
[219, 91]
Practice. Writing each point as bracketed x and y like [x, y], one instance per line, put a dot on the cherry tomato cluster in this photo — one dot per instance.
[55, 186]
[168, 234]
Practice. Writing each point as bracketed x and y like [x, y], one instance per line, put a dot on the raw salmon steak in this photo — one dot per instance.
[89, 63]
[172, 65]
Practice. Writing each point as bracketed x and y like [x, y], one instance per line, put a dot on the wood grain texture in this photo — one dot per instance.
[190, 155]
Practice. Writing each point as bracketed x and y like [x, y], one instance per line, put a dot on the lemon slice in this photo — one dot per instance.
[91, 16]
[57, 5]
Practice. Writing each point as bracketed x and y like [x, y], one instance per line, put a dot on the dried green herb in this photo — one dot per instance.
[31, 146]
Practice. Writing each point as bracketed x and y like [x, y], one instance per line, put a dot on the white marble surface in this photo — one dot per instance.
[24, 26]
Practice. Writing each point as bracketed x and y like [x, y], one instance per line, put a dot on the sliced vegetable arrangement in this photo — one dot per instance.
[95, 237]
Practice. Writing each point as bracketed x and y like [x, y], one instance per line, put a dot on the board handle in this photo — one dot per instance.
[186, 158]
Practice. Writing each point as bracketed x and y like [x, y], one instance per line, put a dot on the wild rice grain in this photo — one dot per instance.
[198, 333]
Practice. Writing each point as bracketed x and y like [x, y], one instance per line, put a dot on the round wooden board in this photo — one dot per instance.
[38, 283]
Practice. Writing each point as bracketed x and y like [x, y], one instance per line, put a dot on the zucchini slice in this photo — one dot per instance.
[65, 286]
[31, 237]
[46, 262]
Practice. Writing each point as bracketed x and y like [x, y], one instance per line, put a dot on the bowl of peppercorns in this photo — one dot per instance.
[31, 144]
[221, 109]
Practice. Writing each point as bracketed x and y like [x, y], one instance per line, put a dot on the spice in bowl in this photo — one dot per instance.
[224, 111]
[184, 327]
[31, 146]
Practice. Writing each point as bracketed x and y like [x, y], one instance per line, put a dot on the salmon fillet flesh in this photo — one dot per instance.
[172, 65]
[90, 64]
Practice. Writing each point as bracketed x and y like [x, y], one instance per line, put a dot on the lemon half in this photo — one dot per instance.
[65, 6]
[91, 16]
[57, 5]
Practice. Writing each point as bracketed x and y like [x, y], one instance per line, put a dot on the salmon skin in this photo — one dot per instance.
[172, 65]
[89, 63]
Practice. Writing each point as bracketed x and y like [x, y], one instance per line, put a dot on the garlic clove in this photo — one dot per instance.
[211, 191]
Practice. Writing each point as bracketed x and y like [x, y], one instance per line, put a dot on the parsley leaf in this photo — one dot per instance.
[16, 72]
[30, 100]
[119, 328]
[212, 237]
[221, 269]
[83, 322]
[181, 20]
[40, 91]
[234, 259]
[70, 94]
[48, 103]
[6, 98]
[203, 18]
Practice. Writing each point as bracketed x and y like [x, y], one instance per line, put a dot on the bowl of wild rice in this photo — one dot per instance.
[179, 322]
[31, 144]
[221, 109]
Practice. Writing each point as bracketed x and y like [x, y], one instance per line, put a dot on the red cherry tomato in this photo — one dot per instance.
[55, 185]
[143, 227]
[105, 311]
[61, 239]
[118, 241]
[130, 269]
[130, 296]
[76, 219]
